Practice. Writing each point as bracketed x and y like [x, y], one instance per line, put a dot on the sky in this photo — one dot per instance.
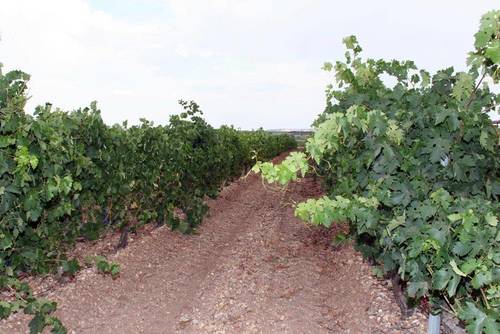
[249, 63]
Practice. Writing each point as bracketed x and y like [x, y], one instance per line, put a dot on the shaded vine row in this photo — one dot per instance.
[68, 176]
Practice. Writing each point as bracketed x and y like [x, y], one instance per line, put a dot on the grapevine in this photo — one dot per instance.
[414, 168]
[68, 176]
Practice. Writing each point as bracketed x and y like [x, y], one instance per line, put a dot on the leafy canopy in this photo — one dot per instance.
[414, 168]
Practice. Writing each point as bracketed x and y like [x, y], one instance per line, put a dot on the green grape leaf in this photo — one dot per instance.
[491, 219]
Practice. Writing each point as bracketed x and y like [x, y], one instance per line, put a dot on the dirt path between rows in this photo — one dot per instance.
[251, 268]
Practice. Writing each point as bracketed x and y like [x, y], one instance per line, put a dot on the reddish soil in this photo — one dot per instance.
[251, 268]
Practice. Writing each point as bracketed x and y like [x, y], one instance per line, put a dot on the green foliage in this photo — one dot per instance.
[70, 267]
[68, 175]
[486, 56]
[415, 170]
[42, 309]
[286, 171]
[106, 267]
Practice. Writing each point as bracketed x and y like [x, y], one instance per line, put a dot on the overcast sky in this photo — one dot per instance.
[249, 63]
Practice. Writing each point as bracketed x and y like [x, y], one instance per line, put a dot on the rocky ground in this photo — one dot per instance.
[252, 267]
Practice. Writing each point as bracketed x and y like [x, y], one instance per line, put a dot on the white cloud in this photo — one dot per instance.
[247, 62]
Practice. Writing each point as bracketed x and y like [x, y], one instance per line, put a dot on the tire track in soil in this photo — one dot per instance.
[252, 268]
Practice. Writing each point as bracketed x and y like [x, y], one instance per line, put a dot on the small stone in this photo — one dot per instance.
[184, 320]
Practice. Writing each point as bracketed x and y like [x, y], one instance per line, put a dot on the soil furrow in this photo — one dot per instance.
[251, 268]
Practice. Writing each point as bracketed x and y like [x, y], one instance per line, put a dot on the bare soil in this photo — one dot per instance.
[252, 267]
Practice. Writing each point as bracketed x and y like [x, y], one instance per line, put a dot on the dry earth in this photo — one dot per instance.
[251, 268]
